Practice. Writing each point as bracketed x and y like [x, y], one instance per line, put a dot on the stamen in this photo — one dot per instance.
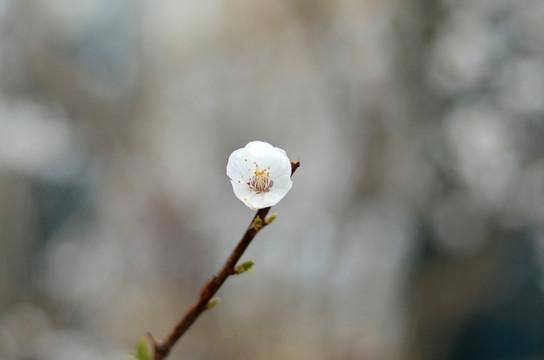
[260, 182]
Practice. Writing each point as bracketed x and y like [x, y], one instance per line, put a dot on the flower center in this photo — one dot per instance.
[260, 182]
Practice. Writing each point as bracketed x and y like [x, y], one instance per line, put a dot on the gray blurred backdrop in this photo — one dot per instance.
[414, 229]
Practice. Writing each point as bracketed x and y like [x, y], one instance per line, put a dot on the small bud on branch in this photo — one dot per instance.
[212, 302]
[244, 267]
[269, 218]
[258, 223]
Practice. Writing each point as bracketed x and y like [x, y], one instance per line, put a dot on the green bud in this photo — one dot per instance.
[212, 302]
[269, 218]
[244, 267]
[258, 222]
[142, 350]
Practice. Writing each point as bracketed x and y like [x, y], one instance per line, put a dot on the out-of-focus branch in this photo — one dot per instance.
[212, 285]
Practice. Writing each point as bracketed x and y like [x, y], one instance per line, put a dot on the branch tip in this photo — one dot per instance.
[295, 164]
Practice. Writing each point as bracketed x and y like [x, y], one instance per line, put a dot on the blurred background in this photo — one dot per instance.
[415, 226]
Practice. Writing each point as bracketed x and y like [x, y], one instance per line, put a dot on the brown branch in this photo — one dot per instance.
[163, 348]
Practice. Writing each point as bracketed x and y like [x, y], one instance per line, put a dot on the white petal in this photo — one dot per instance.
[279, 190]
[282, 184]
[258, 147]
[273, 197]
[256, 203]
[238, 166]
[242, 192]
[280, 168]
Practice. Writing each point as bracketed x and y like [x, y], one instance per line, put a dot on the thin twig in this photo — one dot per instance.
[163, 348]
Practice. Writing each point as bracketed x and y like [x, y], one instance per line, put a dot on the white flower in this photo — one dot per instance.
[260, 174]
